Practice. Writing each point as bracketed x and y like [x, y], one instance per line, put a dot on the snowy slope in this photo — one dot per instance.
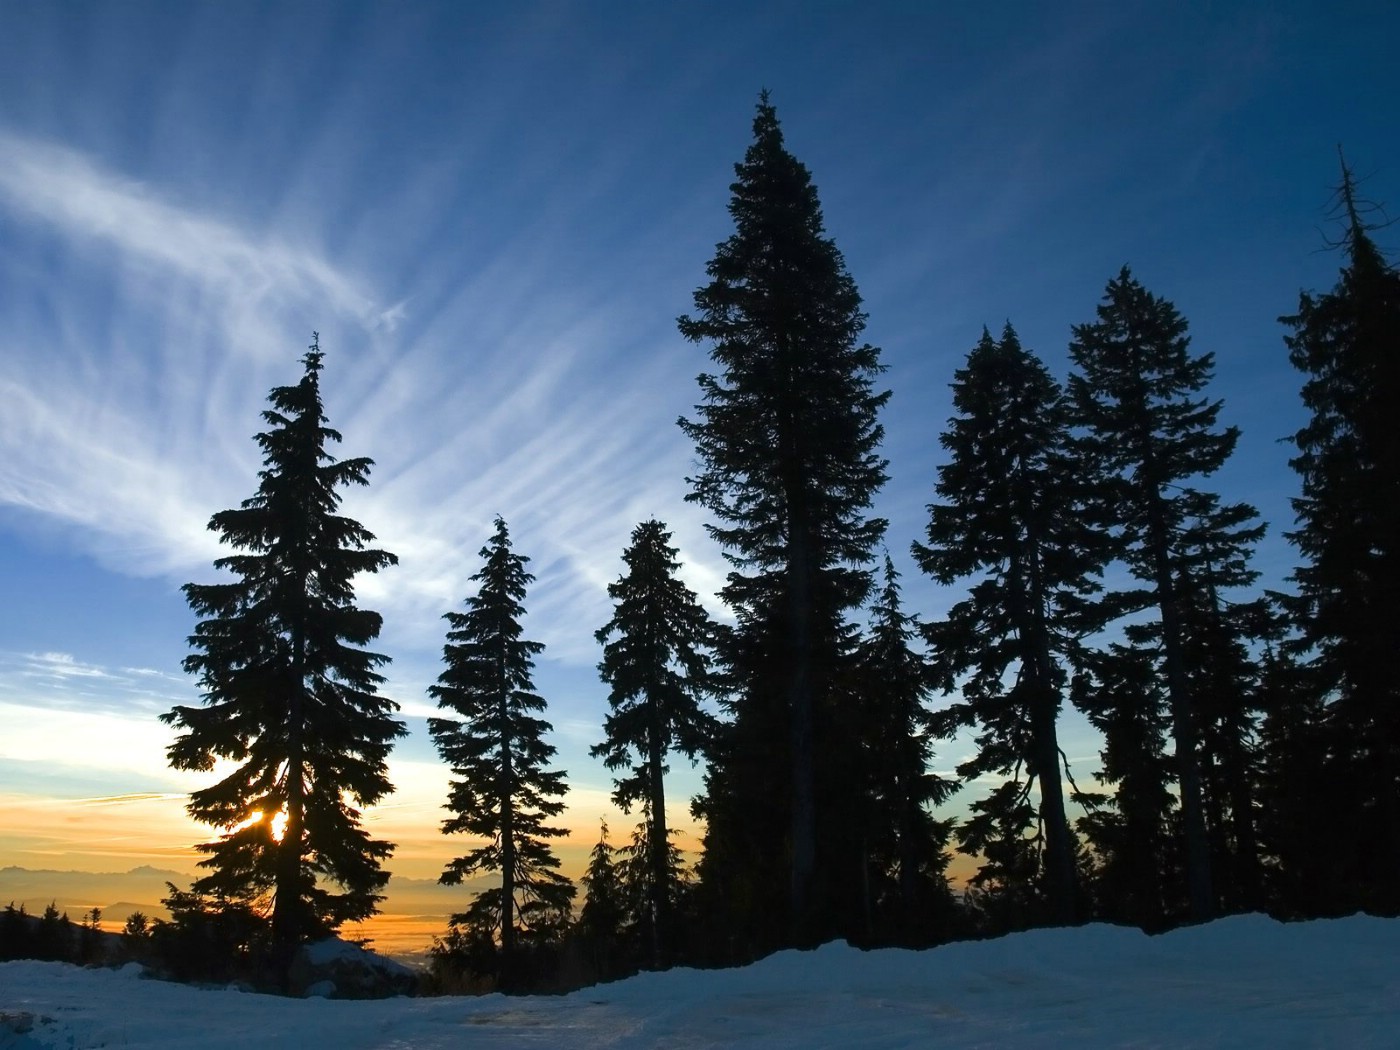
[1239, 982]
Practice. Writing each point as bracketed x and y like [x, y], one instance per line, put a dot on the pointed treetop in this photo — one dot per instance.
[765, 121]
[1357, 241]
[312, 358]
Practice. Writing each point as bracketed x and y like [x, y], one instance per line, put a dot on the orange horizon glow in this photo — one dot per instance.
[113, 834]
[100, 840]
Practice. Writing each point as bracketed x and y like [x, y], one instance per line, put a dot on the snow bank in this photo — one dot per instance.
[336, 969]
[1240, 982]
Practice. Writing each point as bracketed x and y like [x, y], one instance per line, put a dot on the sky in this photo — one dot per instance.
[493, 214]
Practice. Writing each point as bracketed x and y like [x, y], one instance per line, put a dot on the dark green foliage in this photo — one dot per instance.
[136, 937]
[655, 658]
[501, 791]
[1135, 872]
[1219, 638]
[1133, 876]
[637, 869]
[787, 436]
[1007, 893]
[467, 959]
[1304, 861]
[616, 929]
[91, 942]
[1146, 434]
[908, 898]
[52, 937]
[1347, 344]
[16, 933]
[213, 939]
[1011, 515]
[604, 917]
[463, 961]
[55, 935]
[290, 694]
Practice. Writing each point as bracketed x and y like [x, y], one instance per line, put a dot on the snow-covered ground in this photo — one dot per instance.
[1240, 982]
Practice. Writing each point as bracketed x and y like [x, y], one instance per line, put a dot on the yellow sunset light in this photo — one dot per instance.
[279, 823]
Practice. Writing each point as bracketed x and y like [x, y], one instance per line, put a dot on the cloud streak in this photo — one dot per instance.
[64, 188]
[540, 426]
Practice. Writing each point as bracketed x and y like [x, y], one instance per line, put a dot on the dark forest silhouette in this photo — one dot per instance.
[1236, 724]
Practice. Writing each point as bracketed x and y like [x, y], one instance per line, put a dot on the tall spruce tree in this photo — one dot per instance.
[1149, 435]
[290, 696]
[495, 746]
[1347, 343]
[788, 438]
[1011, 513]
[655, 657]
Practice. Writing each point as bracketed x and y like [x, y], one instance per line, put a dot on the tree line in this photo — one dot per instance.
[1251, 740]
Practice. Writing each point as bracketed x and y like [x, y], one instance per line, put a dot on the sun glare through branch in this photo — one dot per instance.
[279, 823]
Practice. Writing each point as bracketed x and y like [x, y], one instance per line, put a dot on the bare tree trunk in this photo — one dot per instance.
[800, 714]
[506, 976]
[660, 848]
[1184, 735]
[1062, 883]
[288, 921]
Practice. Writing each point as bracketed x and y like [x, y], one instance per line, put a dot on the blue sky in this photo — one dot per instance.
[493, 215]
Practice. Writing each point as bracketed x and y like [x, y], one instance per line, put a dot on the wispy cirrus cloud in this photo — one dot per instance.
[63, 188]
[147, 347]
[59, 681]
[61, 666]
[533, 418]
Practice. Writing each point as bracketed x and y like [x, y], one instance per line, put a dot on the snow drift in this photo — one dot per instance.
[1240, 982]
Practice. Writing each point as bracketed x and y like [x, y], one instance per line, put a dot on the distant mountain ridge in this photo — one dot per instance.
[117, 893]
[140, 887]
[143, 870]
[414, 910]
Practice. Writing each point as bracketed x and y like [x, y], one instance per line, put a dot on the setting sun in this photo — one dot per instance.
[279, 823]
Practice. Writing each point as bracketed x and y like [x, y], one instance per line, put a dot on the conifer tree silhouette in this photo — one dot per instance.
[290, 694]
[495, 744]
[787, 435]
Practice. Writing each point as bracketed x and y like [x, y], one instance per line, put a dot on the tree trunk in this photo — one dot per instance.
[1061, 878]
[287, 910]
[660, 846]
[910, 811]
[1060, 875]
[1184, 736]
[800, 715]
[1248, 877]
[507, 970]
